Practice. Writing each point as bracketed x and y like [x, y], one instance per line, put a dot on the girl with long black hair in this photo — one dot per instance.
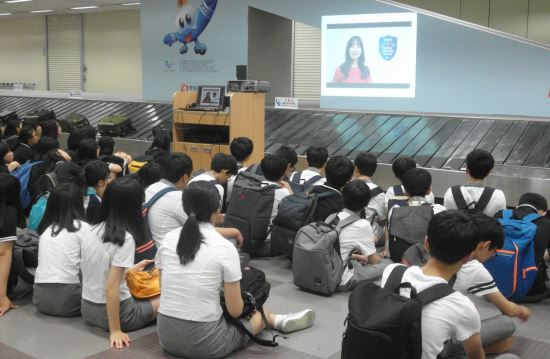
[107, 253]
[11, 217]
[196, 263]
[57, 289]
[354, 69]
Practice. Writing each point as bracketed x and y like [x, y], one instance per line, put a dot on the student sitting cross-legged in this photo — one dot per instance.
[57, 289]
[474, 279]
[452, 236]
[108, 250]
[357, 239]
[474, 194]
[196, 263]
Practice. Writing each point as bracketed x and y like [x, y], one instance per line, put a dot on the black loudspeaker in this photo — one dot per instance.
[241, 72]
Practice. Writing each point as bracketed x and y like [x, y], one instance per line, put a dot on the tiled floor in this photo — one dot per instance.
[26, 334]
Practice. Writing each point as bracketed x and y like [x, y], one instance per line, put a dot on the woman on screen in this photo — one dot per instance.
[353, 70]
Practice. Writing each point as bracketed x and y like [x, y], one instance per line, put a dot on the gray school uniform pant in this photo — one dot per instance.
[361, 272]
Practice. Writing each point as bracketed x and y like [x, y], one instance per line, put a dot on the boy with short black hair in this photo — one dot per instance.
[97, 177]
[316, 159]
[479, 164]
[357, 240]
[451, 238]
[222, 167]
[535, 203]
[375, 211]
[241, 148]
[408, 223]
[339, 170]
[396, 194]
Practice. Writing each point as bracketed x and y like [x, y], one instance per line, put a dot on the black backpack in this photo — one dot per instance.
[484, 199]
[25, 256]
[383, 324]
[254, 291]
[295, 211]
[305, 187]
[250, 208]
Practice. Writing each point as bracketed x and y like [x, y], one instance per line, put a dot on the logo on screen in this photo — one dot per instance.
[387, 47]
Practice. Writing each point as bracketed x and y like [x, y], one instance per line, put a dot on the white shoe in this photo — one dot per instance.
[298, 321]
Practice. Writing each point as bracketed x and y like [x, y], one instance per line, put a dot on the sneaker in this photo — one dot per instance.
[298, 321]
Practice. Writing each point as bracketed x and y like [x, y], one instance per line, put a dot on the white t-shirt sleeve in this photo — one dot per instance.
[231, 265]
[468, 322]
[124, 256]
[474, 278]
[158, 257]
[499, 200]
[378, 205]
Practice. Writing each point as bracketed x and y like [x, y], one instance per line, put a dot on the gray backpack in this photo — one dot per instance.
[408, 226]
[317, 264]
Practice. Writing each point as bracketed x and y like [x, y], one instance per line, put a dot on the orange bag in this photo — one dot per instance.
[144, 285]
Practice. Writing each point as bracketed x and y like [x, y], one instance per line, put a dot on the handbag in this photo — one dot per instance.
[144, 284]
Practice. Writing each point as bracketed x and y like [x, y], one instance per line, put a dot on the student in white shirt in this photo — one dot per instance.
[167, 212]
[317, 157]
[196, 264]
[11, 217]
[222, 167]
[452, 236]
[108, 251]
[357, 240]
[399, 167]
[375, 211]
[479, 164]
[474, 279]
[57, 289]
[241, 148]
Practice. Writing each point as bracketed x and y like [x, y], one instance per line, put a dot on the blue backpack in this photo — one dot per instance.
[22, 174]
[514, 267]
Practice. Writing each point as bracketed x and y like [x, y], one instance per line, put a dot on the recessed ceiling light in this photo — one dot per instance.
[131, 3]
[84, 7]
[15, 1]
[5, 13]
[39, 11]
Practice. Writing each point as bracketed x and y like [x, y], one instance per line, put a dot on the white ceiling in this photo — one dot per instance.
[62, 7]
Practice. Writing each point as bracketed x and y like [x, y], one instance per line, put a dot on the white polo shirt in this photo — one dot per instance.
[471, 194]
[167, 213]
[207, 176]
[192, 291]
[307, 174]
[97, 259]
[357, 235]
[59, 256]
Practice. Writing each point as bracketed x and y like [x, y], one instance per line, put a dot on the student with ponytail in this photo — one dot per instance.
[108, 251]
[196, 263]
[57, 289]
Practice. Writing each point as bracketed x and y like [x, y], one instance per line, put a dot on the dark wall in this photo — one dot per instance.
[270, 51]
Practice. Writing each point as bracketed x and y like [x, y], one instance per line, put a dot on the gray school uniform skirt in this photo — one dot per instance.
[58, 299]
[190, 339]
[134, 314]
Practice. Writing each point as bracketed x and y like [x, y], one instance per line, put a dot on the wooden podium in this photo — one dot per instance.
[202, 134]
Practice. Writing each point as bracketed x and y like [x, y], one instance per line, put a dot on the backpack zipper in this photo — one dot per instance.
[515, 277]
[528, 269]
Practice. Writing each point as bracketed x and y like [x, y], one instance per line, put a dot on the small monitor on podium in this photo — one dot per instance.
[210, 98]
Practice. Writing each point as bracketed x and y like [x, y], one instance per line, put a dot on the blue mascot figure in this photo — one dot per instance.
[190, 23]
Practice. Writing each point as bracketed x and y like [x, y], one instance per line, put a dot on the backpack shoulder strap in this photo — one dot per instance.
[433, 293]
[375, 192]
[396, 276]
[296, 176]
[307, 184]
[485, 198]
[459, 197]
[398, 191]
[158, 196]
[531, 217]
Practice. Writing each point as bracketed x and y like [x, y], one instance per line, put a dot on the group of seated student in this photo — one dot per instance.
[93, 226]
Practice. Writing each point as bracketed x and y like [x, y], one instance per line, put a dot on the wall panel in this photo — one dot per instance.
[539, 21]
[22, 54]
[476, 11]
[509, 16]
